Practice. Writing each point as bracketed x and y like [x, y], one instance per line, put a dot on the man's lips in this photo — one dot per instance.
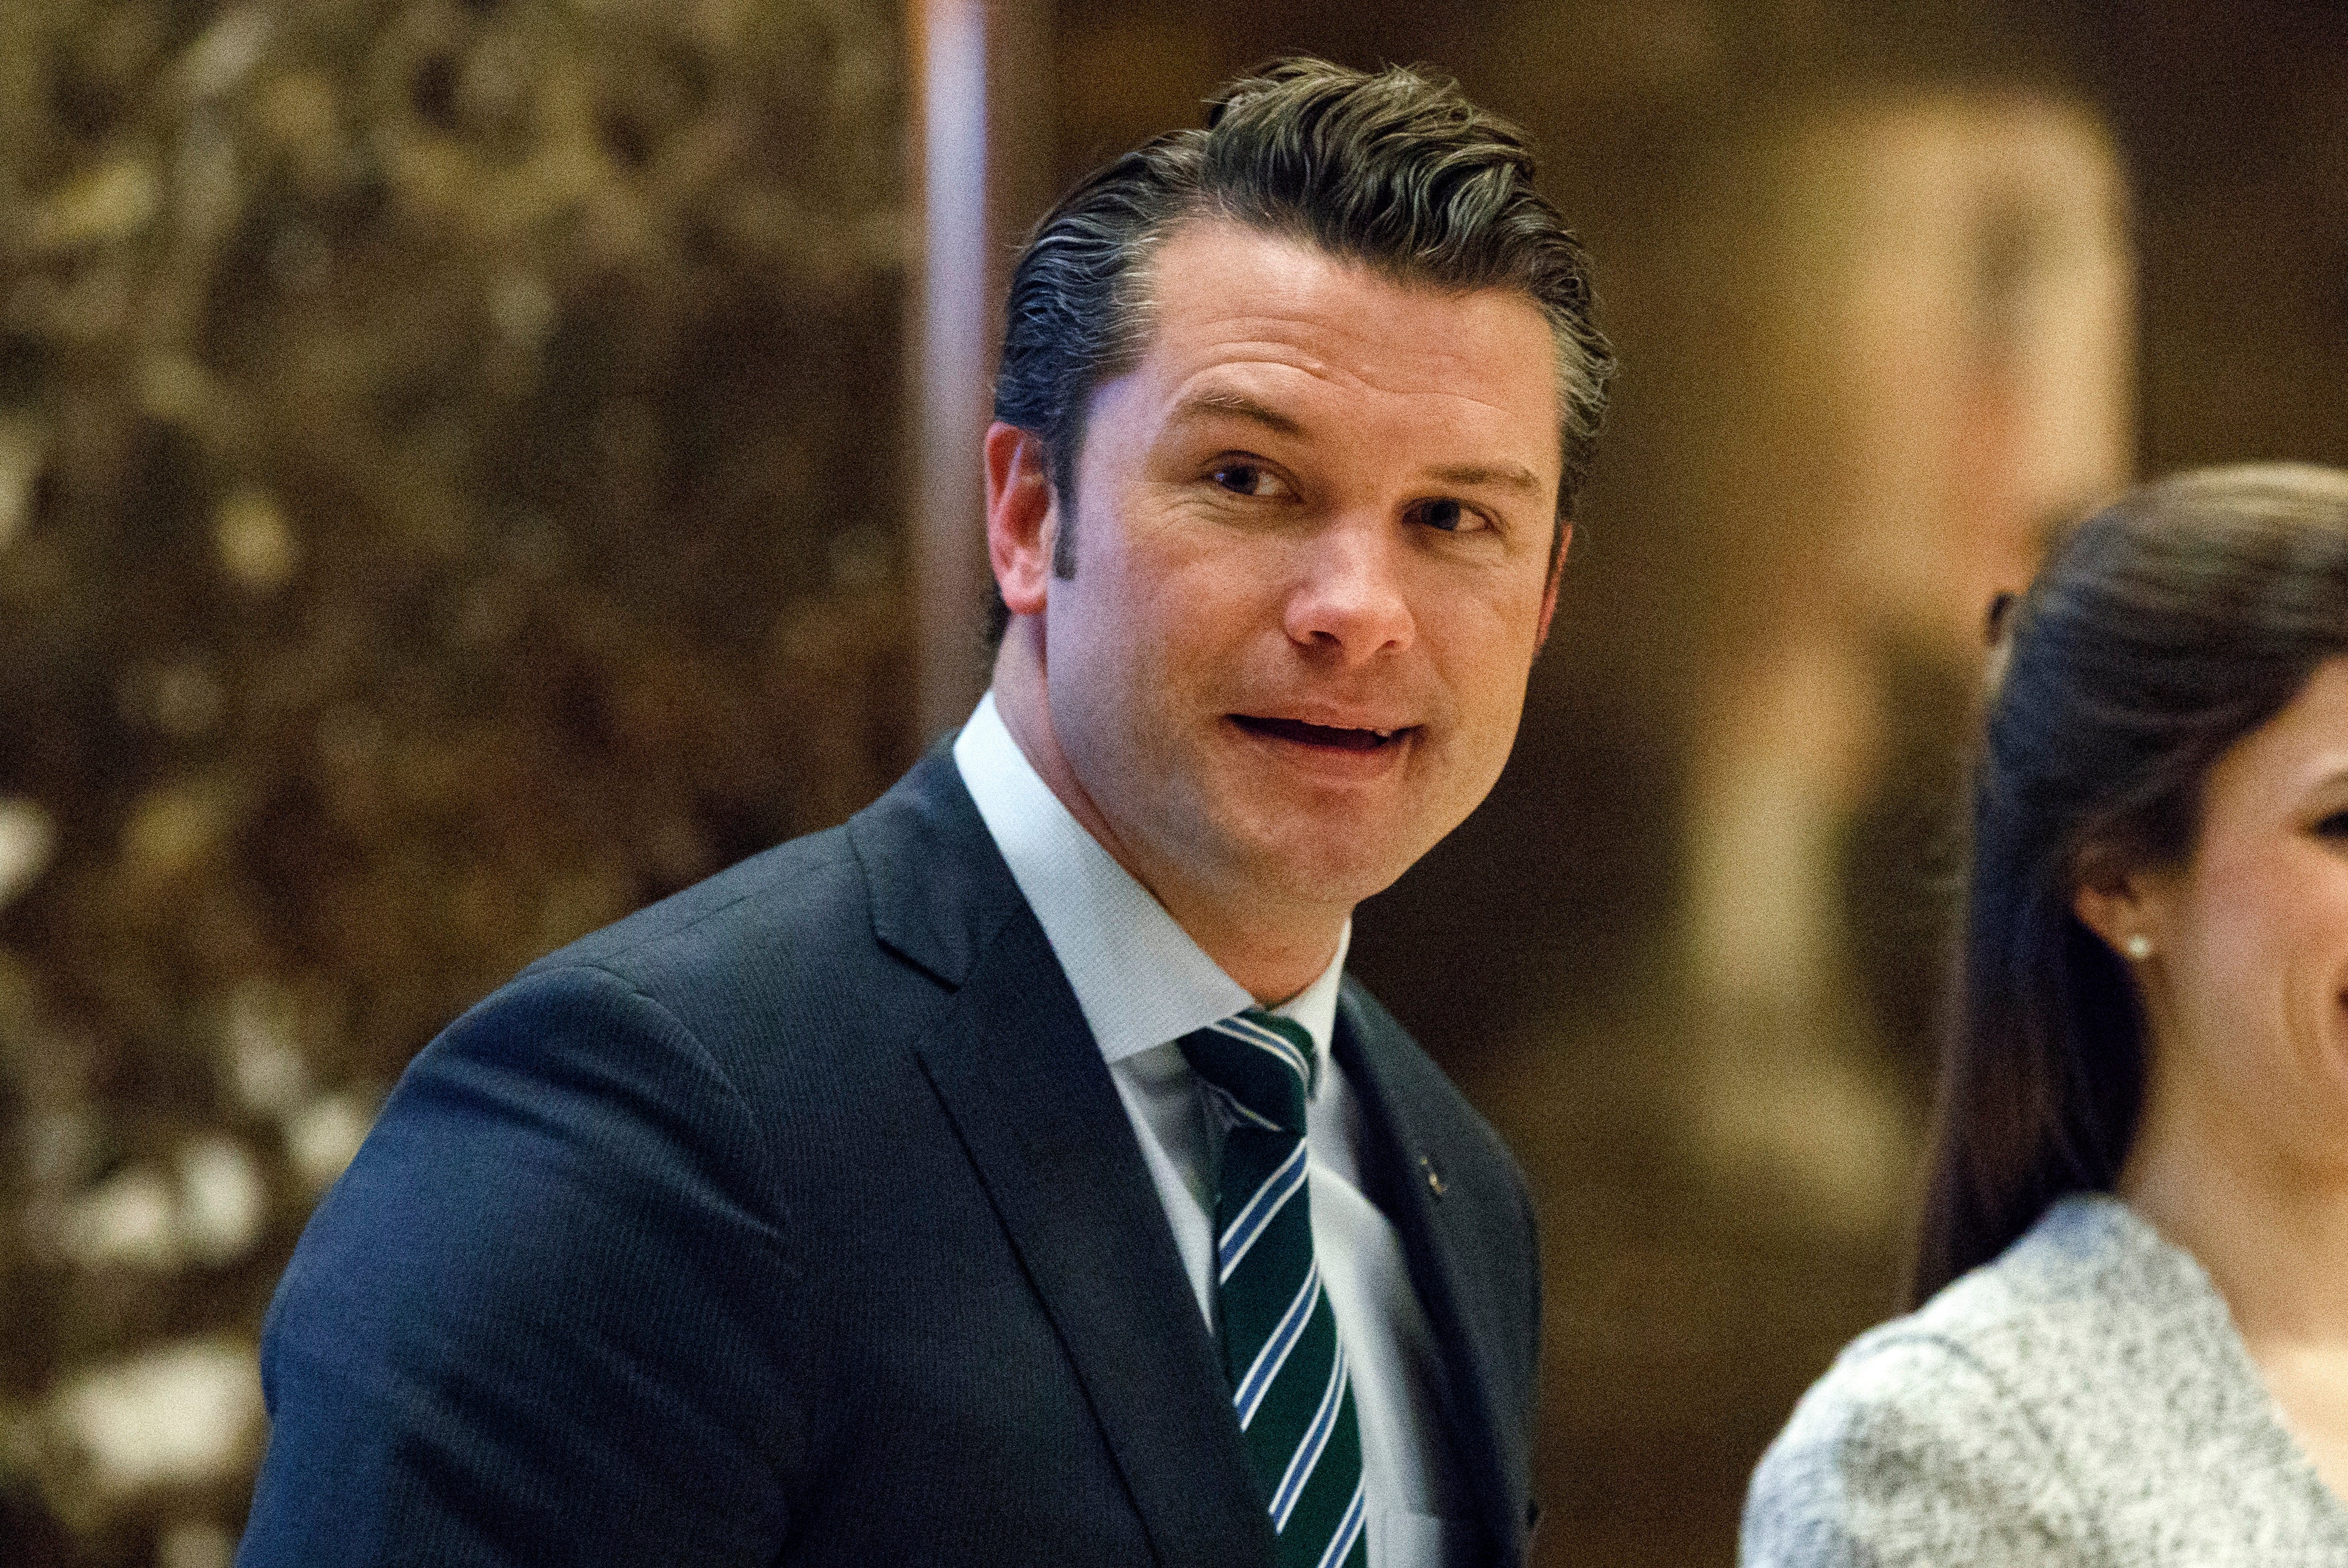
[1335, 737]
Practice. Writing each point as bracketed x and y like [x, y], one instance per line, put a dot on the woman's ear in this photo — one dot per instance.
[2122, 907]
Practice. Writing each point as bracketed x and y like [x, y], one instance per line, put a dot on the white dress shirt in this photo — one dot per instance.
[1143, 984]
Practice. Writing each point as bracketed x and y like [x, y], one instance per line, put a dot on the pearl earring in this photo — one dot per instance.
[2138, 947]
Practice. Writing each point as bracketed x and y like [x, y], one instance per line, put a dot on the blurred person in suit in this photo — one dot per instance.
[2131, 1344]
[1012, 1175]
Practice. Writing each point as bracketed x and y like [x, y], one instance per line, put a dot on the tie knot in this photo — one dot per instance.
[1261, 1063]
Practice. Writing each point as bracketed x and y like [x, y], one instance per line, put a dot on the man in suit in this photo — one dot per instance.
[1011, 1175]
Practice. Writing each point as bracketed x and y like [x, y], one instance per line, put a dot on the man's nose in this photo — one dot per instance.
[1349, 598]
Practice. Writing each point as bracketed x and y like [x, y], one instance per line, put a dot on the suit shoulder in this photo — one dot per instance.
[1895, 1378]
[789, 933]
[2090, 1289]
[1938, 1437]
[1909, 1450]
[806, 887]
[857, 927]
[772, 968]
[2012, 1332]
[2018, 1408]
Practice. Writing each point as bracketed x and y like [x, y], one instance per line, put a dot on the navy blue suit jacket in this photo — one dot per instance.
[795, 1220]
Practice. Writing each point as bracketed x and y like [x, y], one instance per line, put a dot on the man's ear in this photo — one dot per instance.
[2121, 906]
[1022, 517]
[1556, 576]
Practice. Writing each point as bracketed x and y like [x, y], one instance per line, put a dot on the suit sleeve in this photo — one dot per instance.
[541, 1317]
[1911, 1454]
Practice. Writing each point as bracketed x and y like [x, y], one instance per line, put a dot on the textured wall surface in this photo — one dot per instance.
[448, 496]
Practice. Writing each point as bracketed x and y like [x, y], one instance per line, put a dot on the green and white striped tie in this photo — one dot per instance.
[1287, 1366]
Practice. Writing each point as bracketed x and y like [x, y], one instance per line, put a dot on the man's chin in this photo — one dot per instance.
[1327, 874]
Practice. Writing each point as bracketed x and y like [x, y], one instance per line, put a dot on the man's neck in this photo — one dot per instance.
[1270, 971]
[1271, 958]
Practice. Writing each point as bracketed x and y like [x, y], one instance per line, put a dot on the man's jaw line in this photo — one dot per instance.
[1268, 966]
[1272, 959]
[1022, 701]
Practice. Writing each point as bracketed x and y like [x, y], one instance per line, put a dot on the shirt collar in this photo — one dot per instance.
[1140, 979]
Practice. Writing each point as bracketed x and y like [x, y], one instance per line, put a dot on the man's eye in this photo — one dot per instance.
[1448, 515]
[2335, 826]
[1245, 478]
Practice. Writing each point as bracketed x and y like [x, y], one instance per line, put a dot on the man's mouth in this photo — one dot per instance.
[1336, 737]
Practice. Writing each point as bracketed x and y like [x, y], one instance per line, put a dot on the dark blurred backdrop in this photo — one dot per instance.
[459, 479]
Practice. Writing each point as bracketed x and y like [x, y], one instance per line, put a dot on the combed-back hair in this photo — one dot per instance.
[1393, 168]
[2165, 629]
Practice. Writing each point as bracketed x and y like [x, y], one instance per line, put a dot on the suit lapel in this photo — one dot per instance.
[1447, 1240]
[1024, 1083]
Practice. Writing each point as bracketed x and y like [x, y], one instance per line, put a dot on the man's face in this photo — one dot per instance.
[1312, 551]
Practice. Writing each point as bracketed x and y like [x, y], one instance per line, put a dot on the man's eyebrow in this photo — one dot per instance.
[1473, 476]
[1201, 405]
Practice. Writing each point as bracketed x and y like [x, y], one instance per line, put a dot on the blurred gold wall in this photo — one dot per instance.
[449, 495]
[453, 489]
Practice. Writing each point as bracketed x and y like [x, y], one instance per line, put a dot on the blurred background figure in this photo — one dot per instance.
[1923, 329]
[469, 467]
[1912, 314]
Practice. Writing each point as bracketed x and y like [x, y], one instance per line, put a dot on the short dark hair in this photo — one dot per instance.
[1394, 168]
[2167, 628]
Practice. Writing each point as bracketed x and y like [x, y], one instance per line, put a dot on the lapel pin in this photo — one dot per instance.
[1433, 1176]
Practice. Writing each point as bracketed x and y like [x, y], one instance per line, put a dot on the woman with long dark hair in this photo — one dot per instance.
[2131, 1336]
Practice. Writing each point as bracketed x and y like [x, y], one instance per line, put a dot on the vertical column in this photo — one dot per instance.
[981, 144]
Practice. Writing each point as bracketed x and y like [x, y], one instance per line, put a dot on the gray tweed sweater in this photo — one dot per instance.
[2084, 1401]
